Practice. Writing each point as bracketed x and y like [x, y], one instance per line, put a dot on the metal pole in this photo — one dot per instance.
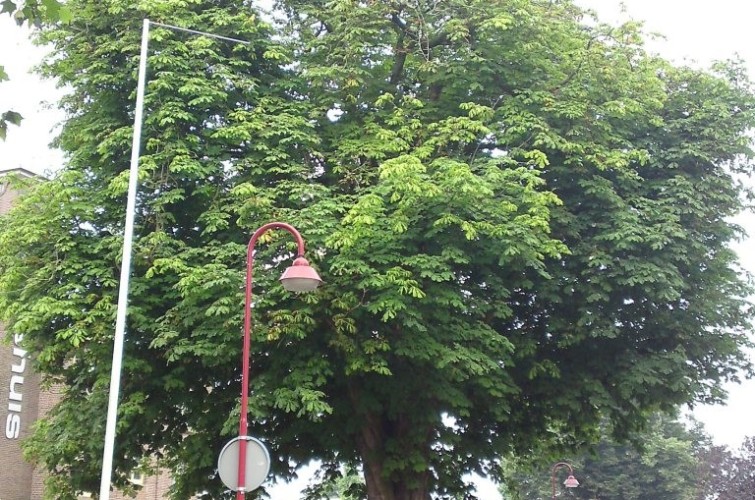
[243, 424]
[553, 482]
[128, 238]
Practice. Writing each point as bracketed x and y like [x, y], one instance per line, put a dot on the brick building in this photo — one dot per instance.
[22, 402]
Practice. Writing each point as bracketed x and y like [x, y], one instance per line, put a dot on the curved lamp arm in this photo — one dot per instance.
[570, 482]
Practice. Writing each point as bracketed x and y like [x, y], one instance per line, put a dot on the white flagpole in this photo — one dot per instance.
[128, 239]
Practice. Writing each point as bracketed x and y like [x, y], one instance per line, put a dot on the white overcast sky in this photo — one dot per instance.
[26, 146]
[697, 31]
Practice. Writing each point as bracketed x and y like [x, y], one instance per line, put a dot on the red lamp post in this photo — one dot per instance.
[300, 277]
[571, 481]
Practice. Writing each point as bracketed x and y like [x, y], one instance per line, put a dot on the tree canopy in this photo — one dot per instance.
[727, 475]
[522, 220]
[665, 460]
[661, 461]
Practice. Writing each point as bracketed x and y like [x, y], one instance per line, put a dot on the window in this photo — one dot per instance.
[136, 477]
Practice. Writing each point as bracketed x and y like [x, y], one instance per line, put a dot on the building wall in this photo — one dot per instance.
[22, 403]
[19, 397]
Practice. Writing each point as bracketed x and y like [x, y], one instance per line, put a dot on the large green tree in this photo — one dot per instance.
[520, 217]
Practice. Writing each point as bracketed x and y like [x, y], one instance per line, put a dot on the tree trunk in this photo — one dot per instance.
[399, 485]
[404, 484]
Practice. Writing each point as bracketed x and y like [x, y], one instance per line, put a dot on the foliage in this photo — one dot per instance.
[8, 117]
[661, 462]
[36, 12]
[344, 484]
[520, 217]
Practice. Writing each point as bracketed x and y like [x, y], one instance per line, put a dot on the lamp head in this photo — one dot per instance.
[300, 277]
[571, 482]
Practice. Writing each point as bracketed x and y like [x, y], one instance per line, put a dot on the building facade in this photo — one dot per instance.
[22, 402]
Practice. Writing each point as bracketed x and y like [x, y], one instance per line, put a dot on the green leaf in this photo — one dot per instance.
[12, 117]
[8, 7]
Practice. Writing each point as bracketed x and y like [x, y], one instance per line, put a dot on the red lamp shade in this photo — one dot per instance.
[571, 482]
[300, 277]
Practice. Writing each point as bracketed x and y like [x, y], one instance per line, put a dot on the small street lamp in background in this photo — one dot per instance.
[571, 481]
[300, 277]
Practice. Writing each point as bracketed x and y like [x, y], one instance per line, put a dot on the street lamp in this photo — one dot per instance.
[570, 482]
[300, 277]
